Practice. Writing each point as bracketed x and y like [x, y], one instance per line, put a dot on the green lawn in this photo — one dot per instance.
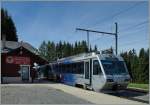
[142, 86]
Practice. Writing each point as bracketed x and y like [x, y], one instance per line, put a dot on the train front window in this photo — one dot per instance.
[96, 68]
[114, 67]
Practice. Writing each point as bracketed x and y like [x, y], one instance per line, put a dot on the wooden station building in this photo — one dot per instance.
[17, 61]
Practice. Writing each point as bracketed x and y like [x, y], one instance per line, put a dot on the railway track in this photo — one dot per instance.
[131, 94]
[140, 96]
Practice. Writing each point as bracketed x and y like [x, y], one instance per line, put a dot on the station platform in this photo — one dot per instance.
[90, 96]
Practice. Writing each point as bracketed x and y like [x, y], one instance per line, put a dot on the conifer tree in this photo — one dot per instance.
[95, 48]
[43, 49]
[8, 29]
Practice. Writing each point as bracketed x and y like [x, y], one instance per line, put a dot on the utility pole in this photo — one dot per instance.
[116, 37]
[103, 33]
[88, 43]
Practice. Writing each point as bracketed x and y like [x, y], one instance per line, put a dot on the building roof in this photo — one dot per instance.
[11, 45]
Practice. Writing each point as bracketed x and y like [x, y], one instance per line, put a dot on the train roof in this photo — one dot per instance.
[89, 55]
[78, 56]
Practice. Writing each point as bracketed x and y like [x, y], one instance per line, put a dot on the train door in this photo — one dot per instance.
[87, 72]
[98, 79]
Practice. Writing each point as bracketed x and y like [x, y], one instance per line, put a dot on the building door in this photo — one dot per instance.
[25, 72]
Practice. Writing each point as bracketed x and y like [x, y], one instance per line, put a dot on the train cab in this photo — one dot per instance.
[115, 71]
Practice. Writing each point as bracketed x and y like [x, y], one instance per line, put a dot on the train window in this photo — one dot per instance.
[77, 68]
[65, 68]
[64, 71]
[56, 68]
[71, 68]
[59, 68]
[68, 68]
[96, 68]
[80, 67]
[74, 68]
[114, 67]
[48, 67]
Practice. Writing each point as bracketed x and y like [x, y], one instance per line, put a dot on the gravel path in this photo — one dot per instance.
[37, 95]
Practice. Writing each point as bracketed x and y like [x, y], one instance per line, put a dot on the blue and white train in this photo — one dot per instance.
[92, 70]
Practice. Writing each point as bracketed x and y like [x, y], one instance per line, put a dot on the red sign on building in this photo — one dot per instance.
[17, 60]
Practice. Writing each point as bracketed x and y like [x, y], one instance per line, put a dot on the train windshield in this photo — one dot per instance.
[114, 67]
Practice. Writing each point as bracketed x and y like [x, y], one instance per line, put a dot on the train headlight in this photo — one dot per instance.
[110, 80]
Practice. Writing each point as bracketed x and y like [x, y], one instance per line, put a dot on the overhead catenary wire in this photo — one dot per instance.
[130, 34]
[133, 42]
[134, 26]
[117, 14]
[130, 43]
[128, 28]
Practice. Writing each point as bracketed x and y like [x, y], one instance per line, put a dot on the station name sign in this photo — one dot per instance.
[17, 60]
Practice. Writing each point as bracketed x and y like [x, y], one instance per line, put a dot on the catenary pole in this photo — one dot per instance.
[103, 33]
[116, 37]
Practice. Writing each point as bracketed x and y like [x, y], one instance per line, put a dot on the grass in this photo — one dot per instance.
[141, 86]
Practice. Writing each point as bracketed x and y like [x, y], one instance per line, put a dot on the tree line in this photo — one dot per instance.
[138, 65]
[52, 51]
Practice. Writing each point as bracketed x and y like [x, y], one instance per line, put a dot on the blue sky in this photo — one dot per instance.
[55, 21]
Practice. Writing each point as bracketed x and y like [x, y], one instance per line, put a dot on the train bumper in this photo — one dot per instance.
[115, 86]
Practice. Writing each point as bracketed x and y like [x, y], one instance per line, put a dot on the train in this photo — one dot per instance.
[95, 71]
